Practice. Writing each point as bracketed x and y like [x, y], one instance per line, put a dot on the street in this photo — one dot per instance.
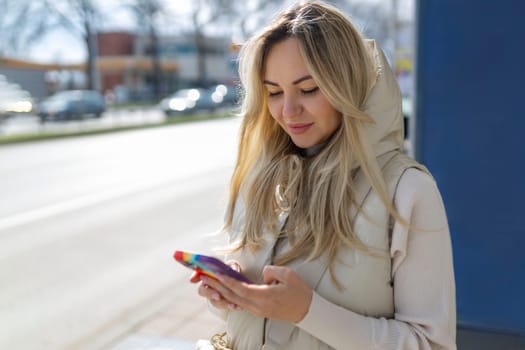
[88, 227]
[30, 123]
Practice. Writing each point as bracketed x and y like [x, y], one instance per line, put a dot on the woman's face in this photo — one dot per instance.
[294, 99]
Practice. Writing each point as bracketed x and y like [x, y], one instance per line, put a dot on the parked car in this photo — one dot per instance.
[187, 101]
[72, 104]
[16, 102]
[13, 99]
[226, 95]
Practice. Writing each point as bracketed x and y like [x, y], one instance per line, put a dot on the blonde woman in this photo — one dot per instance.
[346, 238]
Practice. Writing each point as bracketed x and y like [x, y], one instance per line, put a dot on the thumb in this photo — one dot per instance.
[275, 274]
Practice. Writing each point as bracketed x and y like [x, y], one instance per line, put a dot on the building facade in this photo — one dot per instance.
[125, 68]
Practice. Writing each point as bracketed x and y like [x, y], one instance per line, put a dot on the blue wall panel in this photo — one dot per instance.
[470, 125]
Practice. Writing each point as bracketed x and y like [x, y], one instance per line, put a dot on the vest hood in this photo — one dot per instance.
[383, 104]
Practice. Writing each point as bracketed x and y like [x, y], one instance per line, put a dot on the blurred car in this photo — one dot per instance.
[187, 101]
[72, 104]
[13, 100]
[15, 103]
[226, 95]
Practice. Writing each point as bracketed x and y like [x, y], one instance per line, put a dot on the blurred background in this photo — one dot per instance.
[166, 57]
[118, 135]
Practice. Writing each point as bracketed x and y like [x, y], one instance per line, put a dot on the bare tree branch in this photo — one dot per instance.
[32, 20]
[148, 12]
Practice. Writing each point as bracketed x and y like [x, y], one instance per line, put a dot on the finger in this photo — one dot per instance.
[223, 304]
[215, 289]
[205, 290]
[214, 295]
[234, 264]
[237, 292]
[211, 282]
[209, 293]
[209, 287]
[250, 297]
[276, 274]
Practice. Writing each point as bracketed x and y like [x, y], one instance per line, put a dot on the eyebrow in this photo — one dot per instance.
[295, 82]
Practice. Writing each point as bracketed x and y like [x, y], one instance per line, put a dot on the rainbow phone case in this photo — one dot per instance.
[207, 265]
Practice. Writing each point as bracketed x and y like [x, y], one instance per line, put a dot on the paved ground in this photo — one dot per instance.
[175, 326]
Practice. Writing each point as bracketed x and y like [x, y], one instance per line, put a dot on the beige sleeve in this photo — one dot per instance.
[424, 290]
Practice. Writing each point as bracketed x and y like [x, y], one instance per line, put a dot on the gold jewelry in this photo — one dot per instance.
[220, 342]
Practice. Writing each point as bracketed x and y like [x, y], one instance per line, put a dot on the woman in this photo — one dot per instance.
[345, 238]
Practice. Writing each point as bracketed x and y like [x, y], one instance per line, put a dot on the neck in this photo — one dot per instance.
[313, 150]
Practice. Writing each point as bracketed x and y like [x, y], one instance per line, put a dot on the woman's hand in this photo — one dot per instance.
[207, 291]
[284, 295]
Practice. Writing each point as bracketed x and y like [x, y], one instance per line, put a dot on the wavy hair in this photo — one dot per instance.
[270, 177]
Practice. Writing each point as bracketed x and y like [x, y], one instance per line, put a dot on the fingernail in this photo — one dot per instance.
[216, 296]
[233, 306]
[236, 267]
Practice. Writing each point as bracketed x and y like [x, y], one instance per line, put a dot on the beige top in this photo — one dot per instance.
[424, 290]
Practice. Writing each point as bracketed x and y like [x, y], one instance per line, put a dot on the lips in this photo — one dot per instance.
[299, 128]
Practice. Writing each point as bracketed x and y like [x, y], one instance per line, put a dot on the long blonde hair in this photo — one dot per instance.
[270, 178]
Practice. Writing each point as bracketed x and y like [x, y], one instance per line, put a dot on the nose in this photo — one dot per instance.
[291, 107]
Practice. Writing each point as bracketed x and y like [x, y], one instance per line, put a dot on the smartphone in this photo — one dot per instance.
[207, 265]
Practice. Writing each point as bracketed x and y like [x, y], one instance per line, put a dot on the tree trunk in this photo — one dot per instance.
[201, 58]
[91, 69]
[157, 69]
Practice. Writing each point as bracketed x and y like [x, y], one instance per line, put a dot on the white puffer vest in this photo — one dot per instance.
[366, 279]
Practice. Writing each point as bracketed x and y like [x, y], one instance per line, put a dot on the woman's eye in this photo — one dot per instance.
[274, 93]
[310, 91]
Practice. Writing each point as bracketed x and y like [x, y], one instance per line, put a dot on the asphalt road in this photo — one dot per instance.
[88, 226]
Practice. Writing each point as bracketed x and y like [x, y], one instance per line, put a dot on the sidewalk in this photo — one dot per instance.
[176, 326]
